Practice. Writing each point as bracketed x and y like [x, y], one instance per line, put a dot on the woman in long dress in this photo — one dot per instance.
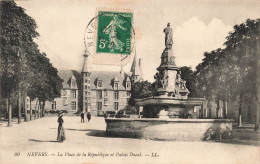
[61, 133]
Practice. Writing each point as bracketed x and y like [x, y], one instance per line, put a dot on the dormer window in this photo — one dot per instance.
[64, 92]
[128, 85]
[99, 84]
[116, 85]
[73, 84]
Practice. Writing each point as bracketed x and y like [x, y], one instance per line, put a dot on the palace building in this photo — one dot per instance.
[69, 94]
[107, 91]
[93, 91]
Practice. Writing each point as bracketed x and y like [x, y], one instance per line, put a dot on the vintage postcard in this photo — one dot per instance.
[93, 81]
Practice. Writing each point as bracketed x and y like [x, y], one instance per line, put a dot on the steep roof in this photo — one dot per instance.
[135, 68]
[65, 75]
[108, 78]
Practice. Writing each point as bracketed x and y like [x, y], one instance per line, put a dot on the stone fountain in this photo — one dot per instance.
[170, 115]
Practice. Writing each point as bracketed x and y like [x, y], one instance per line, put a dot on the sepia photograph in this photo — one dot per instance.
[129, 81]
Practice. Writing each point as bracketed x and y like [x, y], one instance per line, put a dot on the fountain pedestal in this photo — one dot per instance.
[170, 114]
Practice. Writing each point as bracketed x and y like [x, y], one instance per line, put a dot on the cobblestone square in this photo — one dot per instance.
[35, 142]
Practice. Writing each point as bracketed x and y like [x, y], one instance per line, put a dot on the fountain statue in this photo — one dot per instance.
[170, 114]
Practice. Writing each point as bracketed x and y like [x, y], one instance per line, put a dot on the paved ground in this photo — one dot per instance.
[22, 143]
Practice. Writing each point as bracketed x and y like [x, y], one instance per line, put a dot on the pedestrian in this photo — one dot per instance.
[82, 117]
[105, 115]
[61, 133]
[88, 116]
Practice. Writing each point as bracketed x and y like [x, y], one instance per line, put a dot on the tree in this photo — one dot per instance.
[226, 74]
[17, 33]
[188, 75]
[242, 46]
[24, 70]
[141, 90]
[46, 84]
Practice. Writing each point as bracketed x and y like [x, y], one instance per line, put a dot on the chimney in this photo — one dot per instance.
[122, 71]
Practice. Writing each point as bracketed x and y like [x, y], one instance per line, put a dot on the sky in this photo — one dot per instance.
[198, 27]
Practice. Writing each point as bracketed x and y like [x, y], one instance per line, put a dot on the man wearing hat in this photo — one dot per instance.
[61, 133]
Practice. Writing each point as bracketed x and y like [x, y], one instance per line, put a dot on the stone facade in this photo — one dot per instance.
[69, 95]
[110, 91]
[104, 91]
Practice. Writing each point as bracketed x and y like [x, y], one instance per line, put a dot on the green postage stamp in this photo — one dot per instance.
[114, 32]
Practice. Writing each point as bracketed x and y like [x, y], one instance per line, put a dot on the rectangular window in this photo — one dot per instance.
[86, 98]
[64, 92]
[86, 92]
[128, 93]
[116, 94]
[99, 84]
[86, 81]
[73, 84]
[86, 87]
[105, 100]
[106, 93]
[116, 86]
[128, 85]
[73, 93]
[115, 105]
[99, 94]
[53, 105]
[99, 105]
[73, 105]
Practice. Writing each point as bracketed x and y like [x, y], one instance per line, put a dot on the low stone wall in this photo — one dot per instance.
[170, 129]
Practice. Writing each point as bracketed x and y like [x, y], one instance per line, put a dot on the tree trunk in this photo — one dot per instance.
[39, 109]
[240, 110]
[30, 109]
[19, 106]
[225, 109]
[209, 108]
[257, 106]
[25, 109]
[9, 112]
[1, 110]
[217, 111]
[7, 108]
[35, 111]
[43, 108]
[257, 109]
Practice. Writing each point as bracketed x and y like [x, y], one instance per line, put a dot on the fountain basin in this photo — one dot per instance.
[169, 129]
[162, 107]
